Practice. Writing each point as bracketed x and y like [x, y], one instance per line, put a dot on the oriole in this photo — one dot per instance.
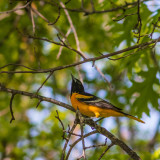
[93, 106]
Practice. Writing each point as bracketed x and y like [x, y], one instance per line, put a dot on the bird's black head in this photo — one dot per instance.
[77, 86]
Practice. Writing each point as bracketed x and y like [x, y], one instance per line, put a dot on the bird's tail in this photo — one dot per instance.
[132, 117]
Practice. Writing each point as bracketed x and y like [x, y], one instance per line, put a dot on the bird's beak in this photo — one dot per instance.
[73, 78]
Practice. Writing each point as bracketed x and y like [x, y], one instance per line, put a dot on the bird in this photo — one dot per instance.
[93, 106]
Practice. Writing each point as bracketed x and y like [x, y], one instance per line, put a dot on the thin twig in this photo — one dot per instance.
[139, 21]
[63, 135]
[98, 145]
[38, 103]
[60, 44]
[44, 39]
[46, 20]
[11, 110]
[74, 134]
[74, 30]
[82, 10]
[67, 2]
[32, 19]
[105, 151]
[114, 59]
[99, 119]
[81, 126]
[116, 19]
[92, 4]
[44, 82]
[12, 64]
[67, 139]
[78, 140]
[16, 9]
[103, 76]
[40, 15]
[59, 14]
[61, 48]
[154, 27]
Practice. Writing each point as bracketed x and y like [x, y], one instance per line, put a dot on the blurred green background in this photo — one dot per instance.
[134, 81]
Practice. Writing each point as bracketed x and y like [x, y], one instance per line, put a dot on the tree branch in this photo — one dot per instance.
[140, 46]
[11, 110]
[106, 151]
[32, 95]
[88, 121]
[114, 139]
[16, 9]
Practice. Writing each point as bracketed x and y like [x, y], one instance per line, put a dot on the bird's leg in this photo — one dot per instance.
[99, 119]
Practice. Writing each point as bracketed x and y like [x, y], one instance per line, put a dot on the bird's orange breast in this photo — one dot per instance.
[83, 108]
[90, 110]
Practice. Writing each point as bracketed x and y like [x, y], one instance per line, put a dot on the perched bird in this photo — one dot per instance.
[93, 106]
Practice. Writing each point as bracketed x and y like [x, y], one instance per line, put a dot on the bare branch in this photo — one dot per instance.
[103, 76]
[78, 140]
[98, 145]
[67, 2]
[116, 19]
[59, 14]
[114, 139]
[63, 135]
[74, 31]
[45, 19]
[154, 27]
[140, 46]
[81, 126]
[105, 151]
[120, 57]
[67, 139]
[88, 121]
[61, 48]
[82, 10]
[92, 4]
[12, 64]
[11, 110]
[139, 21]
[38, 103]
[32, 19]
[16, 9]
[32, 95]
[44, 82]
[60, 44]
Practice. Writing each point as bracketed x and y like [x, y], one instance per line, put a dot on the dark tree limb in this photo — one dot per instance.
[88, 121]
[114, 139]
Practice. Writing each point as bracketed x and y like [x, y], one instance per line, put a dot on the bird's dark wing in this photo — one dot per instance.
[98, 102]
